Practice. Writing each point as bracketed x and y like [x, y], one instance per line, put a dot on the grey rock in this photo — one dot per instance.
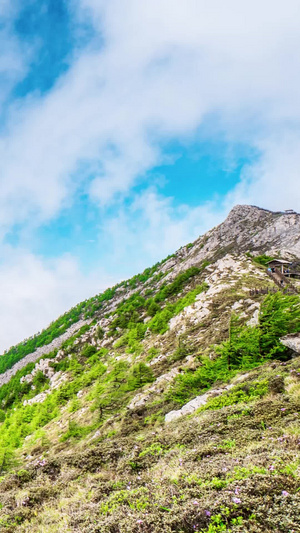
[292, 342]
[172, 415]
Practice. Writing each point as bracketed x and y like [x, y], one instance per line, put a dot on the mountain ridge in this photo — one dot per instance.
[174, 407]
[228, 235]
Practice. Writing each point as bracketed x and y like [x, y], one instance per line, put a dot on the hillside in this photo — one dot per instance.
[168, 403]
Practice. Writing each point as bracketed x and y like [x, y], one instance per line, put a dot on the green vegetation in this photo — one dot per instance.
[239, 394]
[159, 323]
[75, 431]
[95, 454]
[246, 348]
[109, 391]
[262, 259]
[88, 350]
[129, 312]
[173, 288]
[85, 309]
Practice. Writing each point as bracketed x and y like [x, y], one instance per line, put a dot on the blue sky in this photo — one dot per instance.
[129, 128]
[52, 29]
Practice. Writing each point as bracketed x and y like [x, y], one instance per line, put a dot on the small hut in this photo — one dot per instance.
[279, 265]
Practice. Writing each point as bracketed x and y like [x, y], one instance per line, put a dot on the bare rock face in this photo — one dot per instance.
[292, 342]
[194, 404]
[261, 230]
[44, 366]
[158, 386]
[247, 228]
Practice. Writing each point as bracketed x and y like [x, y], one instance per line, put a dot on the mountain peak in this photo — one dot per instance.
[252, 228]
[254, 210]
[94, 408]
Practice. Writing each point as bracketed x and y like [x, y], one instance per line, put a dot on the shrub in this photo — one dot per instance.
[239, 394]
[88, 350]
[152, 353]
[159, 323]
[140, 374]
[280, 315]
[176, 286]
[7, 459]
[192, 383]
[182, 351]
[75, 431]
[100, 332]
[39, 379]
[152, 308]
[262, 259]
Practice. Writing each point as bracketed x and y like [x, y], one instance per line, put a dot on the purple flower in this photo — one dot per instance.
[236, 500]
[208, 513]
[195, 502]
[285, 493]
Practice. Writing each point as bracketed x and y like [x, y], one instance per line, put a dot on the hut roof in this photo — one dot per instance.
[279, 261]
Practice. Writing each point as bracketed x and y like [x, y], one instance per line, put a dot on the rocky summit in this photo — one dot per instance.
[168, 403]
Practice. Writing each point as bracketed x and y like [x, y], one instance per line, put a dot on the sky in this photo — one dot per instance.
[129, 128]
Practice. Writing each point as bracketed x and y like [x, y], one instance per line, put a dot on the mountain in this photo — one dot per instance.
[168, 403]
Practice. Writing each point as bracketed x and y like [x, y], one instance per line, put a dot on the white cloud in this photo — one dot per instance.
[150, 227]
[274, 181]
[163, 67]
[35, 291]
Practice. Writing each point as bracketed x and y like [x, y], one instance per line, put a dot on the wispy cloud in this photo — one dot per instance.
[162, 68]
[35, 291]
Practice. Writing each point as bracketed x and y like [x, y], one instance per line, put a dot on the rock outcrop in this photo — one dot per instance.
[194, 404]
[292, 342]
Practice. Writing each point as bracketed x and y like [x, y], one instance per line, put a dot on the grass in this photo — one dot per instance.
[84, 462]
[169, 479]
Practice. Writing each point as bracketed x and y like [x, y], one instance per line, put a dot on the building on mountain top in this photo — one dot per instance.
[287, 268]
[279, 265]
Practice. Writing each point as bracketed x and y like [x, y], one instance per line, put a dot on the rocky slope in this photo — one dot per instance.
[172, 405]
[252, 228]
[246, 229]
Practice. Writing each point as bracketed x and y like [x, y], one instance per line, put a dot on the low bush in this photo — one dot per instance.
[88, 350]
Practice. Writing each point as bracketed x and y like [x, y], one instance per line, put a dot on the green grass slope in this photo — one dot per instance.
[84, 446]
